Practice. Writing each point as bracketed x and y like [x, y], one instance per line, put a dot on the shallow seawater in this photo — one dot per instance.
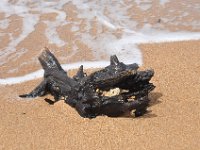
[87, 32]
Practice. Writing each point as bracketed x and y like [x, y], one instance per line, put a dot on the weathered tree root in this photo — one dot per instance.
[112, 91]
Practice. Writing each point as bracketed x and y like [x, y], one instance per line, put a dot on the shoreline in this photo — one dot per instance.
[71, 67]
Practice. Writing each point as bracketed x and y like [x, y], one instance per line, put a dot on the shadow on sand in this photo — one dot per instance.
[154, 100]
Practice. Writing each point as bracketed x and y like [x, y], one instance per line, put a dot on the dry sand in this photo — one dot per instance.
[173, 121]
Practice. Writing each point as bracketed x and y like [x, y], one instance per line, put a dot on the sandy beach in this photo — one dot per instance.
[163, 35]
[172, 123]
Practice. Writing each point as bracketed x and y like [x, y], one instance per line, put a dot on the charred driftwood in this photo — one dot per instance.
[113, 91]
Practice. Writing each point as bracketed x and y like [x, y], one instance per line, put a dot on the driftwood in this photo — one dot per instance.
[116, 90]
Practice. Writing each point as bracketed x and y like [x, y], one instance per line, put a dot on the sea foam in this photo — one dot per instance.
[39, 73]
[110, 15]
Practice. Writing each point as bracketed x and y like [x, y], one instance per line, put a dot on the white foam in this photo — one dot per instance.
[24, 10]
[27, 77]
[39, 73]
[107, 23]
[4, 23]
[150, 35]
[114, 15]
[52, 34]
[51, 30]
[29, 21]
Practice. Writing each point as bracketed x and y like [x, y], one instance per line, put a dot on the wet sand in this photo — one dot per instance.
[173, 121]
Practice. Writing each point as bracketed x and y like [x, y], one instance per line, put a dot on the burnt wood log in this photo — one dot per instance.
[88, 94]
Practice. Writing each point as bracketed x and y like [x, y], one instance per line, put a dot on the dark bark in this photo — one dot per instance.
[85, 92]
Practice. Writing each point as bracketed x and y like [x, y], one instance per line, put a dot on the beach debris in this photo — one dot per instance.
[115, 90]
